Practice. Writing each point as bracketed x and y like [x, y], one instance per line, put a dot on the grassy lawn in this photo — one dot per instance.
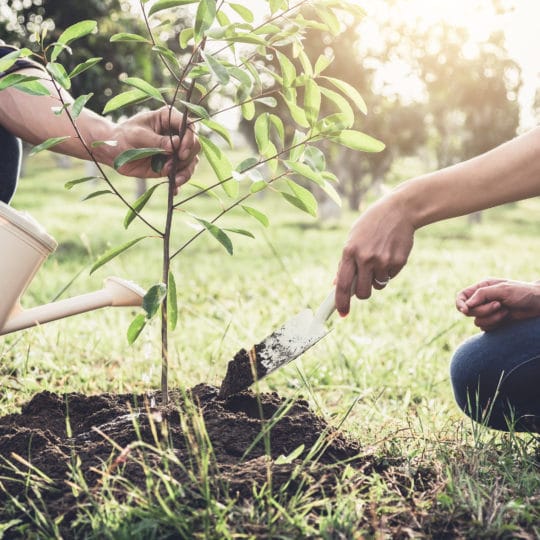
[383, 370]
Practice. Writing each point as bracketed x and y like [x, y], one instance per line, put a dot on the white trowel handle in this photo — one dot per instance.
[329, 304]
[327, 307]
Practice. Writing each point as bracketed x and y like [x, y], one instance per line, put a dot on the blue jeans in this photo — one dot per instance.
[496, 377]
[10, 164]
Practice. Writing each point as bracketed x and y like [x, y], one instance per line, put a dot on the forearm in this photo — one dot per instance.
[508, 173]
[32, 118]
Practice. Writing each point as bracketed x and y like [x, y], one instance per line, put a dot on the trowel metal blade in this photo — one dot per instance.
[291, 340]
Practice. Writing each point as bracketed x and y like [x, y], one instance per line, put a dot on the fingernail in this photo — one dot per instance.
[343, 314]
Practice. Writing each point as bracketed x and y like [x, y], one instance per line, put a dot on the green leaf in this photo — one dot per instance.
[288, 71]
[246, 164]
[243, 11]
[259, 216]
[222, 18]
[79, 104]
[297, 113]
[72, 183]
[206, 13]
[160, 5]
[197, 110]
[276, 5]
[9, 60]
[296, 146]
[243, 232]
[153, 298]
[217, 68]
[135, 328]
[77, 31]
[114, 252]
[359, 141]
[25, 83]
[138, 205]
[71, 33]
[49, 143]
[126, 36]
[322, 63]
[59, 74]
[312, 101]
[242, 77]
[315, 158]
[329, 189]
[248, 110]
[341, 103]
[252, 39]
[167, 54]
[329, 18]
[301, 198]
[145, 87]
[220, 164]
[350, 91]
[332, 124]
[218, 234]
[185, 36]
[158, 161]
[278, 126]
[220, 130]
[95, 194]
[258, 186]
[133, 154]
[261, 132]
[172, 302]
[124, 99]
[305, 170]
[307, 68]
[87, 64]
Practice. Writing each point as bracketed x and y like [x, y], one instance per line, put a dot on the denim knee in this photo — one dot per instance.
[495, 376]
[474, 387]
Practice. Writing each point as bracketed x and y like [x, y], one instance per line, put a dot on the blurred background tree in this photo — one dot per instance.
[458, 97]
[432, 89]
[55, 15]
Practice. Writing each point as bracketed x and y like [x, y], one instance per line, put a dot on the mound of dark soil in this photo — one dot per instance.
[106, 434]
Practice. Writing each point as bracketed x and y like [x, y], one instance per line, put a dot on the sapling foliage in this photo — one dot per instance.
[216, 67]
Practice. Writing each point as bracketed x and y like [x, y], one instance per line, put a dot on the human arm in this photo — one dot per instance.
[494, 301]
[381, 239]
[32, 119]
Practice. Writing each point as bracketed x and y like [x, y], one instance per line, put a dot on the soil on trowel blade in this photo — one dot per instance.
[102, 433]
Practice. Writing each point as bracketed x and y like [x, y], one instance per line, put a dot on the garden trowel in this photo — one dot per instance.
[288, 342]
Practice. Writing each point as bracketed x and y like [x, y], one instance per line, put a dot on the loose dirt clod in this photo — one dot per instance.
[242, 370]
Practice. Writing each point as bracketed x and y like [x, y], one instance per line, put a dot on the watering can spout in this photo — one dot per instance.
[116, 292]
[24, 245]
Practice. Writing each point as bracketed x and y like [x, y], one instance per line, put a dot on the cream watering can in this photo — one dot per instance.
[24, 245]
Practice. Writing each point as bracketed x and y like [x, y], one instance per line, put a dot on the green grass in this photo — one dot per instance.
[390, 357]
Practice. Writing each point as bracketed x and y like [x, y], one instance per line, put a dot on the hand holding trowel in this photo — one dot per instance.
[288, 342]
